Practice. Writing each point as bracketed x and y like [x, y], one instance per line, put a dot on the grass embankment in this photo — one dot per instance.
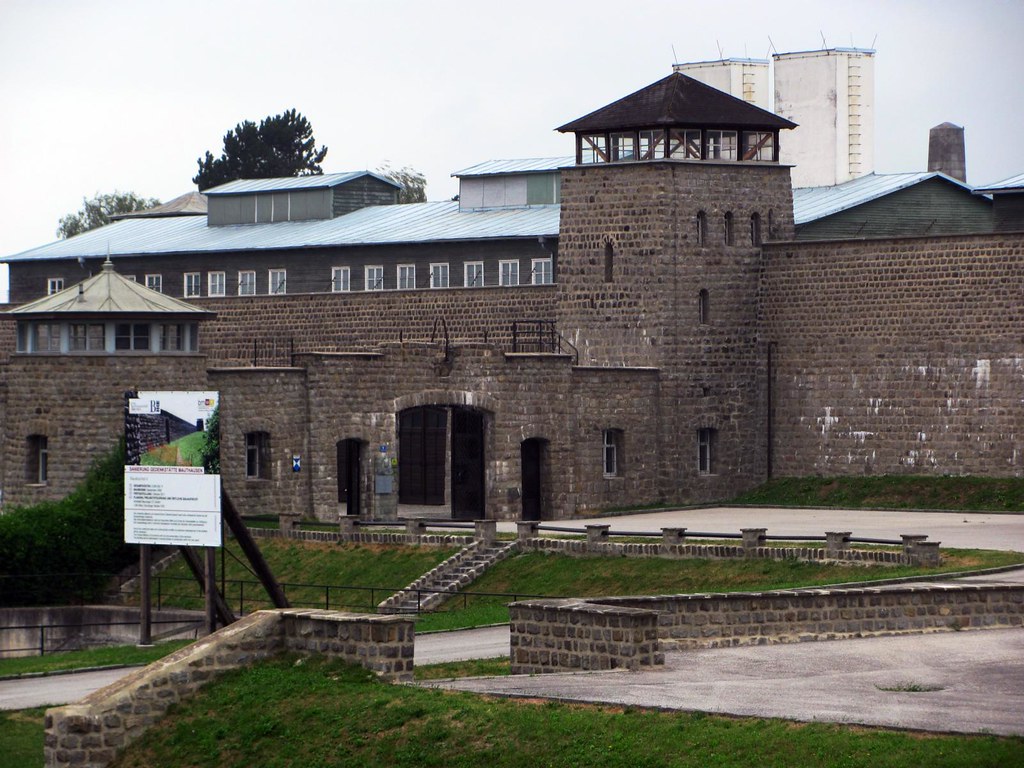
[540, 574]
[369, 573]
[21, 738]
[892, 492]
[318, 713]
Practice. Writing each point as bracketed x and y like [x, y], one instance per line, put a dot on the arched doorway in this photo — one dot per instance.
[350, 476]
[426, 439]
[532, 454]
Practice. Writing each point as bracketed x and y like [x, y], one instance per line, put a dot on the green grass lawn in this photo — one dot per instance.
[21, 738]
[92, 657]
[371, 572]
[892, 492]
[317, 713]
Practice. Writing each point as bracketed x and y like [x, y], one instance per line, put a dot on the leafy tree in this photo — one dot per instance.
[414, 183]
[97, 212]
[281, 145]
[211, 443]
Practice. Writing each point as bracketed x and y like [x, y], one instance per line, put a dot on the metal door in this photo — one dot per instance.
[421, 455]
[531, 454]
[349, 491]
[467, 464]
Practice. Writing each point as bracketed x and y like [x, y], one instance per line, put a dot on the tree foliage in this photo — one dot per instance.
[59, 551]
[97, 211]
[414, 183]
[281, 145]
[211, 443]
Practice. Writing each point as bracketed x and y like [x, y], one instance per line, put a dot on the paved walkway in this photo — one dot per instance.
[974, 682]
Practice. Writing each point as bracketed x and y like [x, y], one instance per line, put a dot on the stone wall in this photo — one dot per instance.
[569, 635]
[77, 403]
[91, 733]
[897, 356]
[274, 326]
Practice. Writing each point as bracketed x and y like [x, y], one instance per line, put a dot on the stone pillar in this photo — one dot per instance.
[909, 540]
[287, 523]
[527, 529]
[485, 531]
[925, 553]
[753, 537]
[415, 528]
[670, 536]
[597, 534]
[835, 542]
[346, 526]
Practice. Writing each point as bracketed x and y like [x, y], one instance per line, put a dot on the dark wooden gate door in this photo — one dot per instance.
[532, 452]
[349, 455]
[467, 464]
[421, 454]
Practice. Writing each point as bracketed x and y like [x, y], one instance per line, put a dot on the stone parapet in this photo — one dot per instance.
[91, 733]
[555, 635]
[572, 635]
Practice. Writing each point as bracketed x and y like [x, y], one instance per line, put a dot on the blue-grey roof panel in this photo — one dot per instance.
[323, 181]
[813, 203]
[525, 165]
[376, 225]
[1012, 184]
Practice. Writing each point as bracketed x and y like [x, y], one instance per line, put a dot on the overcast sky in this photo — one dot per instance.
[101, 95]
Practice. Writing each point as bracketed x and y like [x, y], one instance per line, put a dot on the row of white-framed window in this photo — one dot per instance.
[541, 273]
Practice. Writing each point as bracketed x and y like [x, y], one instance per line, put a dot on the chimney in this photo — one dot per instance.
[946, 151]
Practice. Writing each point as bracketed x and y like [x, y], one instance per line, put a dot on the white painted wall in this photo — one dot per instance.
[830, 95]
[745, 79]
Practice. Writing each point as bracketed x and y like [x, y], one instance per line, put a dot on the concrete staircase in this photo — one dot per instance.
[434, 587]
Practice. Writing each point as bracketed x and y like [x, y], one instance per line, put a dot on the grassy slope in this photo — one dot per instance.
[298, 562]
[893, 492]
[21, 738]
[315, 714]
[539, 574]
[91, 657]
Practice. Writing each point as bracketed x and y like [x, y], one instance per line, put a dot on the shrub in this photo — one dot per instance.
[63, 551]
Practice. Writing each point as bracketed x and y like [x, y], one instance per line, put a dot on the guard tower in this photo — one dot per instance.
[674, 188]
[78, 352]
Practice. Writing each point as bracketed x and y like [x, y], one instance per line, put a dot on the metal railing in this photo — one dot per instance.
[56, 646]
[543, 337]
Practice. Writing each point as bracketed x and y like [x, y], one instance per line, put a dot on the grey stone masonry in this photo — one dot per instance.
[91, 733]
[571, 635]
[554, 635]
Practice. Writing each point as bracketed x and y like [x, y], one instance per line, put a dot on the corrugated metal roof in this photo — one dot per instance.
[108, 292]
[376, 225]
[322, 181]
[524, 165]
[813, 203]
[1012, 184]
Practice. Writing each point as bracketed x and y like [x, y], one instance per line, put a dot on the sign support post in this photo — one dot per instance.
[145, 598]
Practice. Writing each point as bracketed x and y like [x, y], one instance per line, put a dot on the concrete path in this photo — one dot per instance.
[483, 643]
[54, 690]
[974, 682]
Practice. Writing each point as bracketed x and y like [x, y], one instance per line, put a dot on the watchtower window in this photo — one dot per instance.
[623, 146]
[593, 148]
[702, 229]
[720, 145]
[684, 144]
[131, 336]
[652, 145]
[759, 146]
[703, 307]
[730, 236]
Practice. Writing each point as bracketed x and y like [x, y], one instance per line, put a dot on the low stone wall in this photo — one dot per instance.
[568, 635]
[916, 550]
[91, 733]
[353, 535]
[558, 635]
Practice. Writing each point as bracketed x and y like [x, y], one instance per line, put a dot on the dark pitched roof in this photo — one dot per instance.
[189, 204]
[677, 100]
